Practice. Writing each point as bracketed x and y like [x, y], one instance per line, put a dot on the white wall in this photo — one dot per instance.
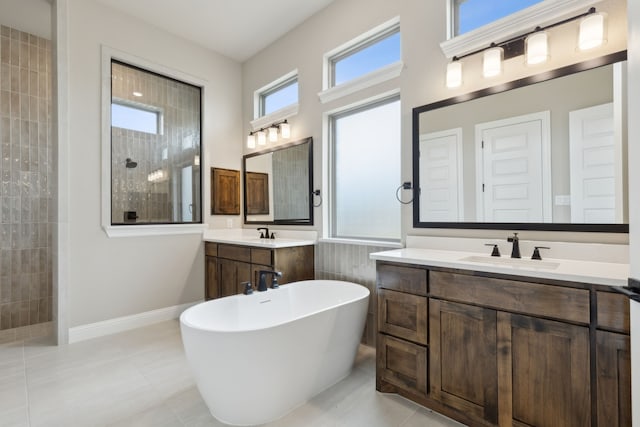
[634, 195]
[31, 16]
[423, 27]
[110, 278]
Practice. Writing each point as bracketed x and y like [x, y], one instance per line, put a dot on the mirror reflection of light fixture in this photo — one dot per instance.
[536, 48]
[492, 62]
[262, 137]
[454, 74]
[592, 31]
[534, 45]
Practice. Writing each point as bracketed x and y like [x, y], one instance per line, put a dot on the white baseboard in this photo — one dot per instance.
[120, 324]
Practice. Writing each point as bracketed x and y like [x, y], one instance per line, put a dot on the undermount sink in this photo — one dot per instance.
[512, 262]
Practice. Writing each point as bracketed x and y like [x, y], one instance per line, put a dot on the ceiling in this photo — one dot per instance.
[235, 28]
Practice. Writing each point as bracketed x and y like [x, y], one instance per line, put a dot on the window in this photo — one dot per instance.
[281, 95]
[365, 170]
[471, 14]
[365, 56]
[155, 148]
[134, 117]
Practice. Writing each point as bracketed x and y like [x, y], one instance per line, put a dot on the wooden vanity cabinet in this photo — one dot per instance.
[505, 352]
[227, 266]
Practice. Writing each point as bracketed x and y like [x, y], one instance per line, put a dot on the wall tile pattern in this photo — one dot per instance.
[291, 178]
[175, 146]
[27, 207]
[338, 261]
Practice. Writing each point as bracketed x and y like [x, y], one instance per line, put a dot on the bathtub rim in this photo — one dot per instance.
[183, 322]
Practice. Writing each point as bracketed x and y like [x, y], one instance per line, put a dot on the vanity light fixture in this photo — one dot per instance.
[536, 48]
[260, 136]
[592, 30]
[492, 62]
[251, 140]
[534, 45]
[454, 74]
[273, 134]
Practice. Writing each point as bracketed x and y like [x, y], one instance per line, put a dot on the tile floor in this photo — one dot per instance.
[141, 378]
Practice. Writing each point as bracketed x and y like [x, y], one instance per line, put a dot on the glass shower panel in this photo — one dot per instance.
[155, 137]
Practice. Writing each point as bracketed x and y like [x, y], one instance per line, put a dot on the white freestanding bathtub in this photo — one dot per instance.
[256, 357]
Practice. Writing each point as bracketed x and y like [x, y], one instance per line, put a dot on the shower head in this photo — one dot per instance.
[130, 164]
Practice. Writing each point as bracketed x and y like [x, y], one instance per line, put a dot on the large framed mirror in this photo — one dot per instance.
[548, 152]
[278, 183]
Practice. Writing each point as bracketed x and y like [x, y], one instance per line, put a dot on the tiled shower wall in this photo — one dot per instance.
[291, 178]
[337, 261]
[26, 205]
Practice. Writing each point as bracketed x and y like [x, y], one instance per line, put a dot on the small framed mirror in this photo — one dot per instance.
[278, 183]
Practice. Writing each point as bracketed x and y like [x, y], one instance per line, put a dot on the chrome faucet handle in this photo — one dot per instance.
[536, 252]
[495, 251]
[274, 279]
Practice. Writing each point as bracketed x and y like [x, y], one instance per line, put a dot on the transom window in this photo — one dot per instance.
[471, 14]
[278, 95]
[366, 56]
[126, 115]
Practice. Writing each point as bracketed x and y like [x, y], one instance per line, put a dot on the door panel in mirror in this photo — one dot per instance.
[477, 167]
[278, 183]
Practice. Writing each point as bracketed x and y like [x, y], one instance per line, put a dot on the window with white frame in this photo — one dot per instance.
[364, 171]
[365, 56]
[278, 95]
[469, 15]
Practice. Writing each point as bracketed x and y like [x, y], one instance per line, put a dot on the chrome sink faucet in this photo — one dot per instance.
[515, 250]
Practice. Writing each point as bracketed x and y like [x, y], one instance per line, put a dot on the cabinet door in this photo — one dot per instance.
[613, 379]
[212, 289]
[403, 315]
[230, 276]
[543, 372]
[462, 353]
[402, 364]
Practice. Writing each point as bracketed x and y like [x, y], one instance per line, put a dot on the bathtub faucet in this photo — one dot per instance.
[262, 282]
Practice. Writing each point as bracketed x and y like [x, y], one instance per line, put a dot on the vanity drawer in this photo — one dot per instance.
[404, 279]
[613, 311]
[236, 253]
[402, 364]
[403, 315]
[210, 249]
[556, 302]
[261, 256]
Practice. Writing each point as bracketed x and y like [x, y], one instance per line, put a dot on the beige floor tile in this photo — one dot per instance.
[18, 417]
[157, 416]
[426, 418]
[13, 393]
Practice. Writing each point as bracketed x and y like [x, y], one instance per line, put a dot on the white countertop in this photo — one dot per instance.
[600, 273]
[250, 238]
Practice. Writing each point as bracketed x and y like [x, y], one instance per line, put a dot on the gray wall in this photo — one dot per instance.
[26, 174]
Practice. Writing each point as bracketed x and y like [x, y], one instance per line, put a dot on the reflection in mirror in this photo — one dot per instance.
[278, 184]
[546, 152]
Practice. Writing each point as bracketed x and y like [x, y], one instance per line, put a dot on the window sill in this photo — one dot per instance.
[276, 116]
[513, 25]
[383, 243]
[152, 230]
[373, 78]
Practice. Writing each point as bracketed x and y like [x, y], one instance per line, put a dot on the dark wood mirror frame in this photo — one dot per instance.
[560, 72]
[298, 221]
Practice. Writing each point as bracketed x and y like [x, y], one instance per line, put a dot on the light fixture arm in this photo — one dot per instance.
[521, 37]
